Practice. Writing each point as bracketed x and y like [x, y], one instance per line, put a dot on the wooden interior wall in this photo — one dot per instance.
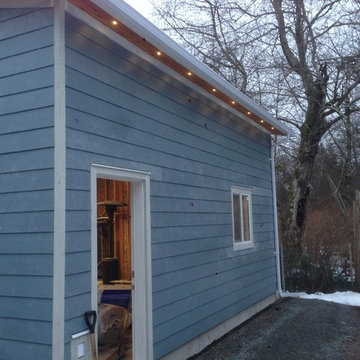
[112, 190]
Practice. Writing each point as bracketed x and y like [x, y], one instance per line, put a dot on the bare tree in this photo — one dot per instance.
[301, 55]
[207, 29]
[308, 40]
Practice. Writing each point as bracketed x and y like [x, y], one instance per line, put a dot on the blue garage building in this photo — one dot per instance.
[118, 147]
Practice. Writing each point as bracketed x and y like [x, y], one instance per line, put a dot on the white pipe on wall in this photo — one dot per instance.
[276, 230]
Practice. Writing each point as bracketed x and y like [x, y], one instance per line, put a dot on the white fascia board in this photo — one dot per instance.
[144, 28]
[13, 4]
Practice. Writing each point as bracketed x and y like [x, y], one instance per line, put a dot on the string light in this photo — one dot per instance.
[189, 73]
[133, 37]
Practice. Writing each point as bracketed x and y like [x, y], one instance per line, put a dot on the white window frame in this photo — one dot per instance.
[240, 245]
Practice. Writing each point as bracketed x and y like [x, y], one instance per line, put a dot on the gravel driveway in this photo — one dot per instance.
[294, 329]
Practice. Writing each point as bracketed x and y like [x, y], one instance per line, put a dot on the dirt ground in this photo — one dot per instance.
[293, 329]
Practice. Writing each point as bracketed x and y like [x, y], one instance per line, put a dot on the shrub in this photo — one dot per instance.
[322, 262]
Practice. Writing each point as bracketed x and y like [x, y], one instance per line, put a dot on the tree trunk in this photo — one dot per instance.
[356, 244]
[312, 131]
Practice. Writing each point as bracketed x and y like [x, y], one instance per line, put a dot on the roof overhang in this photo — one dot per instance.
[118, 20]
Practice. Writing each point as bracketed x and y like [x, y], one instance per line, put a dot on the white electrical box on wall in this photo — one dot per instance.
[81, 346]
[81, 350]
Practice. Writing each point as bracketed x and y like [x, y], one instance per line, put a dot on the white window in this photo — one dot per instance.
[242, 218]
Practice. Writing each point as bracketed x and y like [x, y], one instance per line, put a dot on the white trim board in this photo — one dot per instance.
[58, 315]
[141, 253]
[198, 344]
[276, 222]
[13, 4]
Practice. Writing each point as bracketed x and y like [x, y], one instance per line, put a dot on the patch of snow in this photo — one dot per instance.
[346, 297]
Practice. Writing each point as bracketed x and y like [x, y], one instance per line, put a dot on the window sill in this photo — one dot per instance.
[243, 245]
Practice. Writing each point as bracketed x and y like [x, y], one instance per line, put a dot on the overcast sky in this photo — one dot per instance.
[142, 6]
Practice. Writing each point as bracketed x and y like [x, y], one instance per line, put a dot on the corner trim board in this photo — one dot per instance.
[198, 344]
[58, 320]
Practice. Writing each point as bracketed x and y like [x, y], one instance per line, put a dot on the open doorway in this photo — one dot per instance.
[114, 269]
[127, 254]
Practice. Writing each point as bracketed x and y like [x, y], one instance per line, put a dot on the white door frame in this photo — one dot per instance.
[141, 253]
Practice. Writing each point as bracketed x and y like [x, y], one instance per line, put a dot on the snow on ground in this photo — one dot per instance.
[346, 298]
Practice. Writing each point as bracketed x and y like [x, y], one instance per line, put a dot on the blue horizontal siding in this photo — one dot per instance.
[25, 22]
[8, 15]
[187, 334]
[78, 220]
[27, 243]
[27, 42]
[78, 262]
[78, 241]
[11, 349]
[125, 103]
[27, 201]
[212, 257]
[26, 182]
[23, 330]
[36, 180]
[27, 140]
[220, 288]
[21, 308]
[177, 204]
[187, 273]
[27, 120]
[92, 144]
[29, 61]
[34, 99]
[77, 179]
[189, 246]
[183, 233]
[28, 222]
[123, 112]
[206, 280]
[79, 160]
[27, 81]
[41, 159]
[151, 77]
[26, 265]
[77, 305]
[197, 244]
[77, 284]
[205, 312]
[30, 287]
[77, 200]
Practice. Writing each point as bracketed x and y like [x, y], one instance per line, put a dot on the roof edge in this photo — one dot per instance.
[129, 17]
